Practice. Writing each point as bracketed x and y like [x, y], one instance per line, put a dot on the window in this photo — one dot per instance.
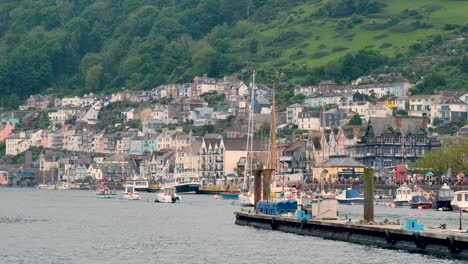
[459, 197]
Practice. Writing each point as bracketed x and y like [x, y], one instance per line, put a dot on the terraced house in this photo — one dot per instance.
[396, 140]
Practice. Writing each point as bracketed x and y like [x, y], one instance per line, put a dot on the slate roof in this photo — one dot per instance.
[343, 162]
[295, 145]
[240, 144]
[408, 123]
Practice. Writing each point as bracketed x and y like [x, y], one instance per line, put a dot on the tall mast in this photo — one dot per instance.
[249, 145]
[322, 121]
[272, 163]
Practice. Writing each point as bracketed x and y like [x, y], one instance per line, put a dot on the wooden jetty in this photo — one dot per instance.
[438, 242]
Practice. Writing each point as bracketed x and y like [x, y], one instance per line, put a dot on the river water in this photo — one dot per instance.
[56, 226]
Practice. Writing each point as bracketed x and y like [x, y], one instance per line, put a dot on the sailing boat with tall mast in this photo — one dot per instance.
[246, 197]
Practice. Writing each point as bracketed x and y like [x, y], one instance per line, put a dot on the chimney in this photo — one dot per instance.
[399, 121]
[425, 120]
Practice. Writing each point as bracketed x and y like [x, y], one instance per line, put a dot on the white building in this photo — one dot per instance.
[17, 143]
[422, 104]
[308, 121]
[292, 113]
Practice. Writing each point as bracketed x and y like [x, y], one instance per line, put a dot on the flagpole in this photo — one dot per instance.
[283, 178]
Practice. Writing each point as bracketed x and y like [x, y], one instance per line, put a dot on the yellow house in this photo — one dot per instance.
[335, 168]
[390, 102]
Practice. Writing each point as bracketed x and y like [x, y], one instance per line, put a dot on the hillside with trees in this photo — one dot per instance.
[70, 47]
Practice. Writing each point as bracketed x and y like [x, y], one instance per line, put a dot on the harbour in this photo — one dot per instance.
[65, 226]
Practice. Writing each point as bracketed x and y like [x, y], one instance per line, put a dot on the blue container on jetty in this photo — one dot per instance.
[277, 208]
[412, 224]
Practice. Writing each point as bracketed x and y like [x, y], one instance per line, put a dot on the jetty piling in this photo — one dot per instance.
[267, 183]
[369, 195]
[257, 186]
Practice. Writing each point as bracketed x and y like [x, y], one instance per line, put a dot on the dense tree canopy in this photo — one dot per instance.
[95, 45]
[73, 47]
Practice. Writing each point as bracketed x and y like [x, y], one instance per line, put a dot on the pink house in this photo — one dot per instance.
[45, 140]
[3, 178]
[6, 131]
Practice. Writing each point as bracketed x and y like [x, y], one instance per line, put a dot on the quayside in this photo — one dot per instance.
[438, 242]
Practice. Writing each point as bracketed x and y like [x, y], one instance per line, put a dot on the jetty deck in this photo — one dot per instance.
[438, 242]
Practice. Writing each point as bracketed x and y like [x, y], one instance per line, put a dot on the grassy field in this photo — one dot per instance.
[313, 41]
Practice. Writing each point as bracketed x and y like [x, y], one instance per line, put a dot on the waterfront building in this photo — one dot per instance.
[219, 156]
[394, 140]
[334, 169]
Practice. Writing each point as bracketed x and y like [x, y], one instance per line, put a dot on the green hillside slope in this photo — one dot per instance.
[71, 46]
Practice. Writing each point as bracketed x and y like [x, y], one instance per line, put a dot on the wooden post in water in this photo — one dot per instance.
[257, 186]
[368, 195]
[267, 183]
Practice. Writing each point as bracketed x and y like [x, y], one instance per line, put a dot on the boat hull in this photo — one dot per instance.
[351, 201]
[456, 207]
[401, 203]
[245, 200]
[444, 205]
[129, 196]
[106, 196]
[423, 205]
[187, 188]
[209, 192]
[229, 196]
[166, 199]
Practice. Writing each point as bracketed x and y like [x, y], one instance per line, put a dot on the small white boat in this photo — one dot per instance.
[63, 186]
[460, 201]
[167, 195]
[246, 199]
[350, 196]
[46, 187]
[403, 196]
[130, 193]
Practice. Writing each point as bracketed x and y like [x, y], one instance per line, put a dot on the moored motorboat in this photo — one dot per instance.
[460, 201]
[105, 193]
[167, 195]
[418, 201]
[350, 196]
[184, 183]
[45, 187]
[230, 194]
[130, 193]
[403, 196]
[246, 199]
[444, 198]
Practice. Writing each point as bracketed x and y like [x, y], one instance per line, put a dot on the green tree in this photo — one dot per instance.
[429, 84]
[355, 120]
[402, 112]
[253, 46]
[94, 77]
[437, 121]
[464, 64]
